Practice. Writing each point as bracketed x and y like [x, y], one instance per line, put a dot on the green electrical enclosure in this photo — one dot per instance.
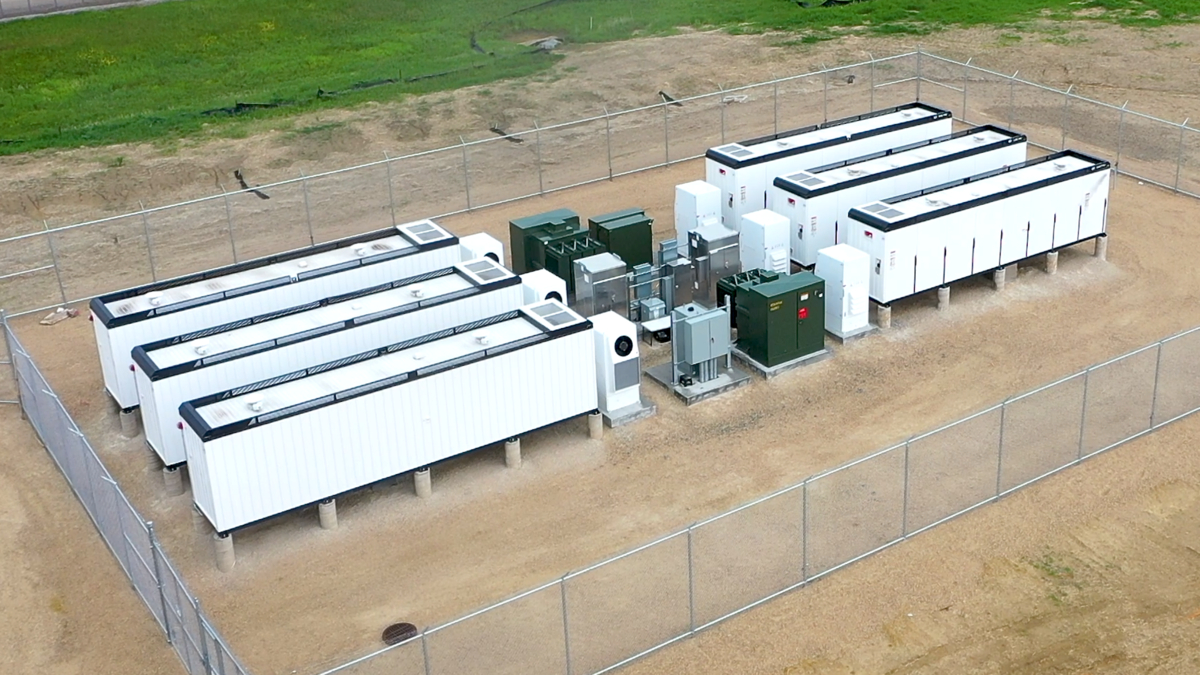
[727, 288]
[781, 320]
[629, 233]
[528, 237]
[561, 256]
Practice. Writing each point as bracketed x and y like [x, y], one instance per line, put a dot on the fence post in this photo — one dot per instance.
[312, 241]
[966, 70]
[904, 515]
[149, 241]
[12, 361]
[466, 171]
[204, 657]
[722, 104]
[537, 130]
[1154, 395]
[825, 94]
[918, 72]
[804, 534]
[387, 161]
[775, 103]
[691, 583]
[562, 585]
[1012, 97]
[1000, 450]
[425, 651]
[54, 259]
[1120, 140]
[229, 217]
[1087, 376]
[608, 141]
[1066, 119]
[158, 577]
[872, 80]
[666, 136]
[1179, 161]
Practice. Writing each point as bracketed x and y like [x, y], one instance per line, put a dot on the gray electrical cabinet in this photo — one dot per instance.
[699, 342]
[714, 248]
[677, 282]
[601, 285]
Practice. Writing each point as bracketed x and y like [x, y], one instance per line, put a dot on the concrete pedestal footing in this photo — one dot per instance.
[199, 522]
[131, 422]
[595, 426]
[998, 278]
[327, 512]
[1052, 262]
[223, 549]
[883, 316]
[423, 482]
[173, 480]
[943, 298]
[1101, 251]
[512, 453]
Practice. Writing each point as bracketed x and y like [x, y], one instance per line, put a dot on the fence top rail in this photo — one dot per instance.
[957, 422]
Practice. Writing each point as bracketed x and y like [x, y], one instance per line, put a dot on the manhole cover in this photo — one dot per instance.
[398, 632]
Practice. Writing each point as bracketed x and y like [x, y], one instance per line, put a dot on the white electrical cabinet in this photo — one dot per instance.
[764, 242]
[816, 201]
[931, 238]
[145, 314]
[743, 172]
[543, 285]
[481, 245]
[179, 369]
[847, 274]
[618, 366]
[268, 448]
[696, 203]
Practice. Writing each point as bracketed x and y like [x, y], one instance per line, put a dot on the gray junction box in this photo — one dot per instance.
[699, 342]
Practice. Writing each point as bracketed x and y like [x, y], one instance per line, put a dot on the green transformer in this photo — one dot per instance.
[627, 233]
[727, 288]
[528, 237]
[781, 320]
[561, 256]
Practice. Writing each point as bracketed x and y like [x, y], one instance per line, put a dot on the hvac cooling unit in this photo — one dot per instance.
[618, 368]
[816, 201]
[138, 316]
[931, 238]
[184, 368]
[542, 285]
[847, 274]
[481, 245]
[744, 171]
[765, 243]
[264, 449]
[696, 203]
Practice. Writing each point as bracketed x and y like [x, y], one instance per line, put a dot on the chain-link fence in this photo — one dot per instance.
[596, 619]
[130, 538]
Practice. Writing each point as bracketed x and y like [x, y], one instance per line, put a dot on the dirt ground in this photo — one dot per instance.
[398, 558]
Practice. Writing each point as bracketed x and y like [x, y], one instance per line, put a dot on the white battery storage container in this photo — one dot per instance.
[696, 203]
[764, 242]
[268, 448]
[618, 366]
[744, 171]
[138, 316]
[816, 201]
[847, 274]
[927, 239]
[188, 367]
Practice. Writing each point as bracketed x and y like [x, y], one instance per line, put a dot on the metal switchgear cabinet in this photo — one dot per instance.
[781, 320]
[627, 233]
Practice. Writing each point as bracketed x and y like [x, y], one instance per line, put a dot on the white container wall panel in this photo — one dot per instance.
[744, 171]
[189, 367]
[817, 201]
[928, 239]
[165, 309]
[267, 449]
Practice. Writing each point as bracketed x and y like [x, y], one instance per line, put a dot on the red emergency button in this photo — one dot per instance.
[803, 313]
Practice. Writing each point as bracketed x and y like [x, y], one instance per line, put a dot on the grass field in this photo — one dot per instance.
[149, 73]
